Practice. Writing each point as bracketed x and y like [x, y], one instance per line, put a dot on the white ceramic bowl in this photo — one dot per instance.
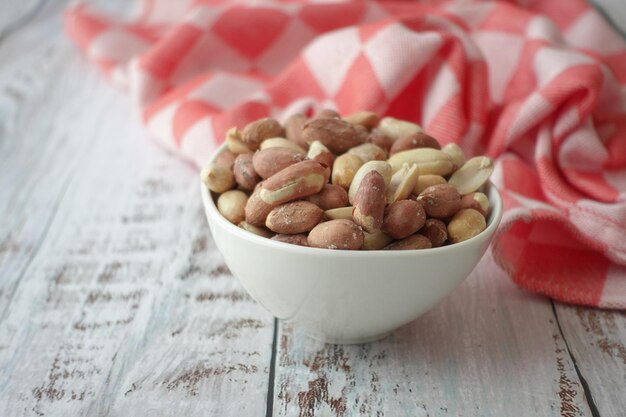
[346, 296]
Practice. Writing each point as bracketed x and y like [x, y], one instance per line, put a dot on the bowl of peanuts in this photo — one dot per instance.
[349, 227]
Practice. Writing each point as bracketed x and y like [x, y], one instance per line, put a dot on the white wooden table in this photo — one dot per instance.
[114, 300]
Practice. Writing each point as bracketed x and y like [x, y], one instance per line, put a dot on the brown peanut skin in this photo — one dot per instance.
[226, 158]
[336, 234]
[327, 114]
[436, 231]
[269, 161]
[295, 174]
[245, 175]
[256, 210]
[256, 132]
[440, 201]
[403, 218]
[293, 218]
[414, 141]
[336, 134]
[362, 133]
[370, 201]
[416, 241]
[332, 196]
[325, 158]
[293, 128]
[377, 138]
[300, 239]
[468, 202]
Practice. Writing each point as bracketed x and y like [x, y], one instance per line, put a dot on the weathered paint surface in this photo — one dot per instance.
[597, 341]
[487, 350]
[113, 297]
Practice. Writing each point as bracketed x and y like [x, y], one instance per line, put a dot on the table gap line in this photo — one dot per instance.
[269, 411]
[583, 382]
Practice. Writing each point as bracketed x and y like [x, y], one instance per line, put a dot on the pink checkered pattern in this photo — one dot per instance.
[539, 86]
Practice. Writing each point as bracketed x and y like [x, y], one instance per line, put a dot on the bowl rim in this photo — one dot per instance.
[495, 202]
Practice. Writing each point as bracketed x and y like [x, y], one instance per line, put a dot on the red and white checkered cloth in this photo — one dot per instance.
[539, 86]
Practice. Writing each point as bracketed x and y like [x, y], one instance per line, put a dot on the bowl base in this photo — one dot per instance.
[352, 341]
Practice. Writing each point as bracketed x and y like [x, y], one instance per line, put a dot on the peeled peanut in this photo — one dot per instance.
[256, 209]
[375, 241]
[472, 175]
[344, 169]
[436, 231]
[476, 201]
[292, 218]
[260, 231]
[297, 181]
[232, 205]
[425, 181]
[332, 196]
[428, 161]
[217, 178]
[456, 153]
[403, 218]
[416, 241]
[234, 142]
[414, 141]
[256, 132]
[369, 152]
[320, 153]
[336, 134]
[293, 128]
[402, 183]
[367, 119]
[369, 202]
[396, 128]
[279, 142]
[440, 201]
[466, 224]
[226, 158]
[244, 172]
[300, 239]
[381, 167]
[339, 213]
[268, 162]
[336, 234]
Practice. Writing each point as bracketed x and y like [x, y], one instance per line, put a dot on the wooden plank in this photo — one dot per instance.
[488, 350]
[114, 298]
[597, 340]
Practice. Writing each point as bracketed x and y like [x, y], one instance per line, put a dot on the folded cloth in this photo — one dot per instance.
[540, 86]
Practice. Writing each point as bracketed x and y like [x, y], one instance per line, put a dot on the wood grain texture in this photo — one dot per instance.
[113, 297]
[488, 350]
[597, 341]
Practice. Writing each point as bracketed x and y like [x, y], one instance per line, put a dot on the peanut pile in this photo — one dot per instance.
[358, 182]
